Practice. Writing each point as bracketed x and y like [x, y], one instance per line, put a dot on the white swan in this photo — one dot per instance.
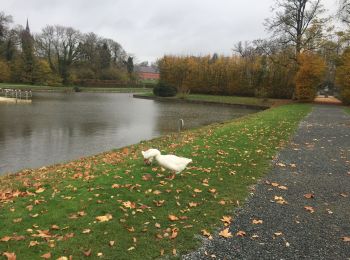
[169, 161]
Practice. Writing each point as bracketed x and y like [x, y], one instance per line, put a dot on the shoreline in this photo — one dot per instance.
[178, 100]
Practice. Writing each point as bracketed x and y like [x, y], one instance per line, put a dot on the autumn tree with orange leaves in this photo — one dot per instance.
[309, 76]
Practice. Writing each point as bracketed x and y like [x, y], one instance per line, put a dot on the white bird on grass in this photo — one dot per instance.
[171, 162]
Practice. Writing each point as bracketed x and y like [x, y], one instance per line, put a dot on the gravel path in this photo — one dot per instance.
[316, 164]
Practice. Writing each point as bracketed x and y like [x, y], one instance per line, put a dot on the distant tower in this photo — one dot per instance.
[27, 27]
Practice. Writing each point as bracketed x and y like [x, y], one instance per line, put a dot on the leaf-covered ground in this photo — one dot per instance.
[112, 206]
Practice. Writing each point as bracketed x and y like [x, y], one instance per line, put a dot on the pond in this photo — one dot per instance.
[59, 127]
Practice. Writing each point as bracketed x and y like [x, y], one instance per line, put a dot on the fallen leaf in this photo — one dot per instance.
[193, 204]
[206, 234]
[309, 195]
[344, 195]
[87, 253]
[46, 256]
[277, 234]
[174, 251]
[309, 208]
[174, 233]
[240, 234]
[225, 233]
[104, 218]
[280, 200]
[33, 243]
[197, 190]
[111, 243]
[86, 231]
[226, 219]
[5, 239]
[55, 227]
[257, 221]
[346, 239]
[173, 218]
[40, 190]
[9, 255]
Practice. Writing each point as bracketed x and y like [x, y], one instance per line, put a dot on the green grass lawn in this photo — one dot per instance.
[113, 206]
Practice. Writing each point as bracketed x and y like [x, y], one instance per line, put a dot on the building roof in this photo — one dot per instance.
[146, 69]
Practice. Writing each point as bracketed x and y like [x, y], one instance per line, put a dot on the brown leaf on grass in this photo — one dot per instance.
[310, 209]
[197, 190]
[116, 186]
[55, 227]
[346, 239]
[5, 239]
[46, 256]
[129, 204]
[174, 251]
[159, 203]
[104, 218]
[212, 190]
[241, 234]
[147, 177]
[86, 231]
[174, 233]
[309, 195]
[87, 253]
[161, 252]
[206, 234]
[192, 204]
[344, 195]
[111, 243]
[33, 243]
[274, 184]
[222, 202]
[277, 234]
[17, 220]
[18, 238]
[40, 190]
[225, 233]
[257, 221]
[10, 255]
[173, 218]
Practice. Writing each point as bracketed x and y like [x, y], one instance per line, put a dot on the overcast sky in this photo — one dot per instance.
[149, 29]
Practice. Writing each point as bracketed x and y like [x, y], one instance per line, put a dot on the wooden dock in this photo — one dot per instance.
[15, 96]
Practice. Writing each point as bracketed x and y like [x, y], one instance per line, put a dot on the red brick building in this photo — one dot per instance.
[147, 73]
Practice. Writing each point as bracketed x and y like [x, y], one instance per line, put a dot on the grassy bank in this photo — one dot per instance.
[234, 100]
[71, 89]
[113, 206]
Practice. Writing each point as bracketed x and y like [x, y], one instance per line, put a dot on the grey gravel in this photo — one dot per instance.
[316, 161]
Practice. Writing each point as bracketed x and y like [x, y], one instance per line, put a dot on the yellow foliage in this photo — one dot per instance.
[343, 77]
[235, 75]
[4, 72]
[310, 74]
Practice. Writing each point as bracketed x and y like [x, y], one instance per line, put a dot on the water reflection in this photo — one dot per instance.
[61, 127]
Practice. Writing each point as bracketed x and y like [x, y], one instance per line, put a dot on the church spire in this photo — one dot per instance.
[27, 27]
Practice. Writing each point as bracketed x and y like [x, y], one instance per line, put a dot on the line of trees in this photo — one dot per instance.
[59, 55]
[303, 54]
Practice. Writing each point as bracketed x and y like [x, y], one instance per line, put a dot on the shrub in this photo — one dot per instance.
[4, 72]
[164, 90]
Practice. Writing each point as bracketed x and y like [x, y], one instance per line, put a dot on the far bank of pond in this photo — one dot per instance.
[59, 127]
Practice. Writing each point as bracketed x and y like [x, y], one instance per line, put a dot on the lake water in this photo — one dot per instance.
[59, 127]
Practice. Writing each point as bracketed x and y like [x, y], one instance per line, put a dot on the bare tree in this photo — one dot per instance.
[344, 11]
[293, 20]
[59, 45]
